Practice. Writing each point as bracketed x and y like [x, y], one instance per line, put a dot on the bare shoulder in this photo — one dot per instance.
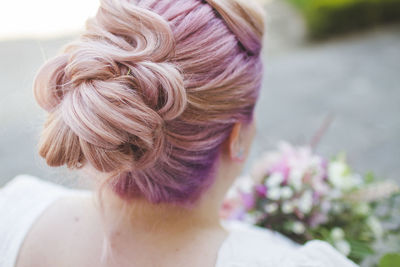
[60, 232]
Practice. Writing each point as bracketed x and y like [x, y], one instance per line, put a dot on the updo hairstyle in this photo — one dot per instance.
[150, 91]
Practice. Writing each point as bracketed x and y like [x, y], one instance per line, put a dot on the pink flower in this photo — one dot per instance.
[261, 190]
[281, 167]
[230, 207]
[248, 200]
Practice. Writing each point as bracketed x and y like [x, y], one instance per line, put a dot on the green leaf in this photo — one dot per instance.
[390, 260]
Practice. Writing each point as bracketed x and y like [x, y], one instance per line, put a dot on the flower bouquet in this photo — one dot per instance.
[304, 196]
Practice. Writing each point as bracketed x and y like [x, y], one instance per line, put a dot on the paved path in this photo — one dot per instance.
[356, 79]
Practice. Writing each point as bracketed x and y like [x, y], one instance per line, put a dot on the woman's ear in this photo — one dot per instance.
[235, 146]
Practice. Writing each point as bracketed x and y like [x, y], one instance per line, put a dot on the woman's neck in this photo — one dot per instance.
[140, 216]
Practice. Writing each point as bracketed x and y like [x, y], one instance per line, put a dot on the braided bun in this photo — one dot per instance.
[114, 89]
[149, 93]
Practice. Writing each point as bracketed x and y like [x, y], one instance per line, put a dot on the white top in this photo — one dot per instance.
[25, 198]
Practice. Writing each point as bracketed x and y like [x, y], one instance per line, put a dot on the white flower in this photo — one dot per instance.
[298, 228]
[286, 192]
[375, 226]
[337, 169]
[335, 194]
[337, 173]
[362, 209]
[274, 193]
[306, 202]
[315, 161]
[271, 207]
[274, 180]
[287, 207]
[320, 186]
[337, 208]
[232, 193]
[356, 180]
[340, 177]
[326, 206]
[352, 181]
[244, 184]
[296, 178]
[343, 247]
[337, 234]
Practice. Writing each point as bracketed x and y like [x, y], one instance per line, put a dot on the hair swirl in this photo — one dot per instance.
[150, 91]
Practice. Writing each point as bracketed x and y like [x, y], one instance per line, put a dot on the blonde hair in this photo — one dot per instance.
[150, 91]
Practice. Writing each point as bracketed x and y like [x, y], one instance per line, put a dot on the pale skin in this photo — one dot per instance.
[71, 232]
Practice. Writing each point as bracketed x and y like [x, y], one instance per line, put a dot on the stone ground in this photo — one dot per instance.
[353, 78]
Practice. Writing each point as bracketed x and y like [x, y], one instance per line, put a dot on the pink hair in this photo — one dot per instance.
[150, 92]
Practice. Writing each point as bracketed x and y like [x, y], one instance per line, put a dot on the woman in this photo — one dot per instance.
[155, 104]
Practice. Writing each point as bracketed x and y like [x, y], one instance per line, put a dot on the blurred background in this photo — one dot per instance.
[326, 62]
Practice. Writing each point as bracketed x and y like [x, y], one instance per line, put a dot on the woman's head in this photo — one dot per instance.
[150, 91]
